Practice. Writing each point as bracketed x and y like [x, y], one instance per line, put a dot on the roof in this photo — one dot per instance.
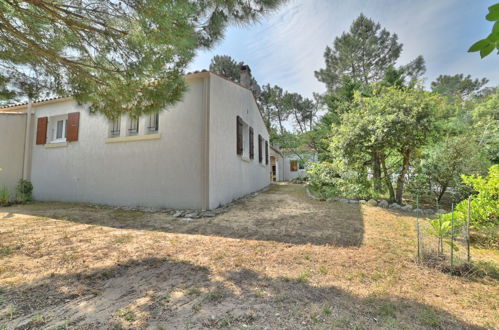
[21, 105]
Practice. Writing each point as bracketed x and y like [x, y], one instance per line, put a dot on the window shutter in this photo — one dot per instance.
[251, 144]
[73, 127]
[260, 157]
[41, 130]
[293, 164]
[266, 152]
[239, 129]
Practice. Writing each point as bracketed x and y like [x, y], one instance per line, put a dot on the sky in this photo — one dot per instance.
[286, 46]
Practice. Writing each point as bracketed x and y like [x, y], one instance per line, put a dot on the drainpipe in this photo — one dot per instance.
[27, 142]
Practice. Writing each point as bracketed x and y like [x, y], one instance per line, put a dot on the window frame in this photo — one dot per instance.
[153, 126]
[295, 167]
[133, 131]
[54, 128]
[113, 132]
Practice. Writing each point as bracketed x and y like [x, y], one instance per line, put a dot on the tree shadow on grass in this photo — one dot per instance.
[282, 214]
[177, 294]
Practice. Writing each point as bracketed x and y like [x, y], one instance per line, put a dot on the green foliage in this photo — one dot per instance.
[363, 54]
[457, 85]
[484, 209]
[443, 163]
[395, 121]
[24, 190]
[4, 196]
[334, 180]
[117, 56]
[487, 45]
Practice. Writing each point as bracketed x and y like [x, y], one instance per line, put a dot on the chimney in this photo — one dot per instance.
[245, 76]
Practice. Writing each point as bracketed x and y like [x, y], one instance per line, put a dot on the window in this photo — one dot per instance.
[153, 125]
[133, 126]
[239, 135]
[58, 129]
[266, 152]
[115, 127]
[260, 153]
[293, 165]
[251, 144]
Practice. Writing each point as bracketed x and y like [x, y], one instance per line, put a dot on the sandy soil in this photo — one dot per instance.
[276, 261]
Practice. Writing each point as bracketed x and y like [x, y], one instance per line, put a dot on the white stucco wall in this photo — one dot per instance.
[300, 173]
[279, 165]
[230, 175]
[157, 173]
[12, 137]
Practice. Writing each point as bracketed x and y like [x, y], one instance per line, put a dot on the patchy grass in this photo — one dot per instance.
[278, 260]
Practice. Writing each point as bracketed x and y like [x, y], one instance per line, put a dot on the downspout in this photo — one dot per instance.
[205, 176]
[27, 142]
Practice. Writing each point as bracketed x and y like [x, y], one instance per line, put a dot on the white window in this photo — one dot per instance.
[153, 123]
[133, 126]
[58, 127]
[115, 126]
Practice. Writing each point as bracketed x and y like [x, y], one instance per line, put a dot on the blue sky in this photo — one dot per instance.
[286, 46]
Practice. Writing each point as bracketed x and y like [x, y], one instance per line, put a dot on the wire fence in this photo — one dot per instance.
[443, 242]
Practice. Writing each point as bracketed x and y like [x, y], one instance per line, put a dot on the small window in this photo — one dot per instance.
[115, 127]
[153, 125]
[133, 126]
[58, 133]
[293, 165]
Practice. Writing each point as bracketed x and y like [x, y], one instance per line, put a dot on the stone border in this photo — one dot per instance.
[379, 203]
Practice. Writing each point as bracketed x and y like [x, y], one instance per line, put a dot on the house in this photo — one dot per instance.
[287, 165]
[206, 150]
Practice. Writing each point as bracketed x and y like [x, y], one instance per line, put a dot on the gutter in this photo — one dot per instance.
[27, 142]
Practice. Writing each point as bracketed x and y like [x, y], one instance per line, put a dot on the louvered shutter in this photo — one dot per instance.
[41, 130]
[260, 154]
[73, 127]
[266, 152]
[251, 143]
[239, 132]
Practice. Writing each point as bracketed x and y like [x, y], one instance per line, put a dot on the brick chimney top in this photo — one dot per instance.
[245, 76]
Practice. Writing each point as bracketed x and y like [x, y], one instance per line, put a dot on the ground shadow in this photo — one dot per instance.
[283, 214]
[177, 294]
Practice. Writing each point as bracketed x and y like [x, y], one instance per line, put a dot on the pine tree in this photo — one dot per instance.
[116, 56]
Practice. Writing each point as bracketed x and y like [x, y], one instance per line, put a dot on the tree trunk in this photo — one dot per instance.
[401, 177]
[376, 166]
[442, 192]
[387, 178]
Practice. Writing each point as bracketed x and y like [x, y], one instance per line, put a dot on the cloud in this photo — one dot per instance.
[287, 46]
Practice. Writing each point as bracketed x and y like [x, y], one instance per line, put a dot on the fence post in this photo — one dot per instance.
[417, 229]
[440, 248]
[452, 241]
[468, 230]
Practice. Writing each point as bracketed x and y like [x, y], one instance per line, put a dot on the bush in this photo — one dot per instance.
[24, 190]
[325, 179]
[484, 206]
[4, 196]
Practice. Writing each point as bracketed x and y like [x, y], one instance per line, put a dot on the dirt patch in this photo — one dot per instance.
[279, 260]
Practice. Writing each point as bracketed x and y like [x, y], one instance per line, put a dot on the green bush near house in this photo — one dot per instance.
[24, 190]
[4, 196]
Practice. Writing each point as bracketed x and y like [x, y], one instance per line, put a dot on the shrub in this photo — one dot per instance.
[4, 196]
[484, 206]
[325, 179]
[24, 190]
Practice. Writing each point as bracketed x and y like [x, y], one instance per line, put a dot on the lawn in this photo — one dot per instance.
[277, 260]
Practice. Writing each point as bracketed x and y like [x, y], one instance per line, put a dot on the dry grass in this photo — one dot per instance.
[279, 260]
